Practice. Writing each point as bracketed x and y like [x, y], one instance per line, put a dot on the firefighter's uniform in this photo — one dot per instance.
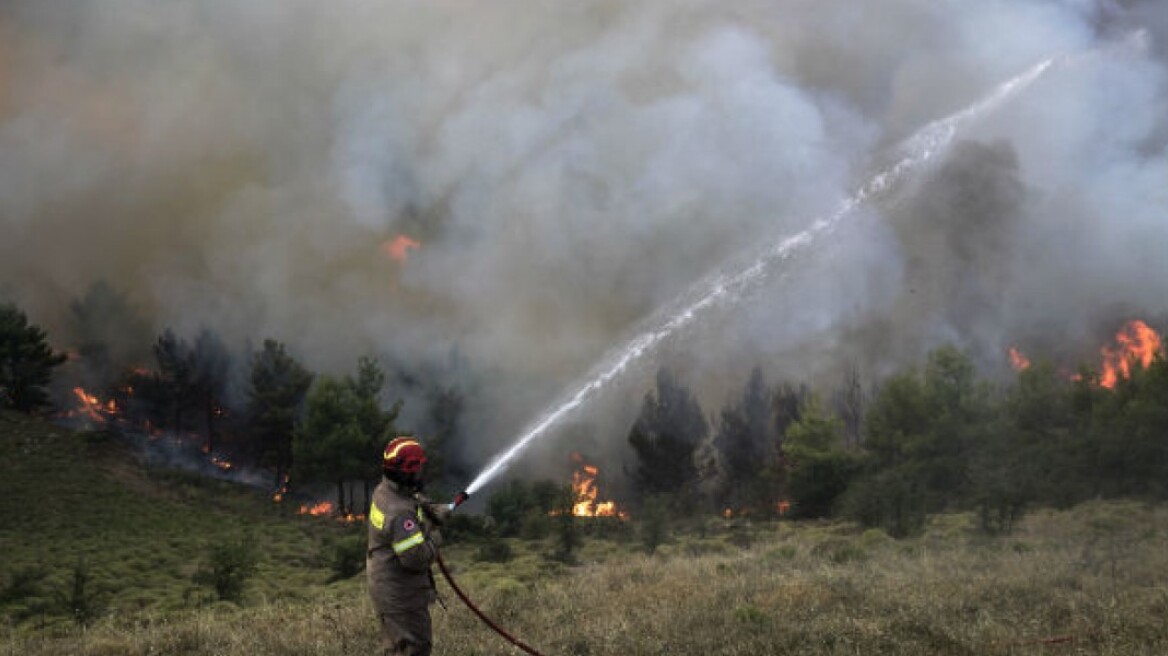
[401, 549]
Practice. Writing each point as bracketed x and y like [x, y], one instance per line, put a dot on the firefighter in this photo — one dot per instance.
[403, 542]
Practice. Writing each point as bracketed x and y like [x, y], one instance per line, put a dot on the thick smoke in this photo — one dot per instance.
[570, 167]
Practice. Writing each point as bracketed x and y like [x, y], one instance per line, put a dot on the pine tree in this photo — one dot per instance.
[175, 374]
[664, 437]
[278, 386]
[26, 361]
[820, 467]
[110, 335]
[750, 440]
[923, 431]
[210, 367]
[341, 437]
[446, 406]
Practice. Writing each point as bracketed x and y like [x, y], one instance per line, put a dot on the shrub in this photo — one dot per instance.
[783, 553]
[567, 538]
[507, 507]
[347, 556]
[23, 583]
[81, 599]
[888, 499]
[750, 614]
[536, 525]
[459, 527]
[655, 524]
[493, 551]
[516, 503]
[230, 564]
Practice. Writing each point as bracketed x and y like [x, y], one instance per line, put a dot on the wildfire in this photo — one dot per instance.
[586, 492]
[93, 407]
[221, 463]
[326, 509]
[90, 404]
[278, 495]
[1018, 360]
[398, 249]
[317, 509]
[1136, 342]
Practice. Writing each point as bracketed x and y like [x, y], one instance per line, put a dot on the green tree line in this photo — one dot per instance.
[931, 439]
[927, 439]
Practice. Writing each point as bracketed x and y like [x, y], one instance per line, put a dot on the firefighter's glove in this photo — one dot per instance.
[436, 512]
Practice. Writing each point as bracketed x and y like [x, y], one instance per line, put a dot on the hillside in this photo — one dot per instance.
[80, 505]
[1090, 580]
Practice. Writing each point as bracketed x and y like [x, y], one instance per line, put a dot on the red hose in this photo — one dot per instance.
[475, 609]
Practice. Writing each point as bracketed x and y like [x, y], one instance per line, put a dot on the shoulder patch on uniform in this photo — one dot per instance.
[376, 517]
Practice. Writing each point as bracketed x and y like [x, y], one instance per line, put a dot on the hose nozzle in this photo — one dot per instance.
[459, 499]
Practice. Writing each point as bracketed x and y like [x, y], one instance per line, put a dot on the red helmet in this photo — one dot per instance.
[403, 455]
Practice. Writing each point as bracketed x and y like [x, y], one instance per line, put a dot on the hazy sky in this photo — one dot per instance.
[569, 167]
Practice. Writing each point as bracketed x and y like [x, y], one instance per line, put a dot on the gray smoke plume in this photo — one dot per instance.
[566, 168]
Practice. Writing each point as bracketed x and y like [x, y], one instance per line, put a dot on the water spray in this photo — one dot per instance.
[732, 283]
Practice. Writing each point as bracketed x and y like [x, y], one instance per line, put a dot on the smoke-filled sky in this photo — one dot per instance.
[569, 167]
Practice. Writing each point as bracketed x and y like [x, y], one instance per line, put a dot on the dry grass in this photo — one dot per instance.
[1093, 580]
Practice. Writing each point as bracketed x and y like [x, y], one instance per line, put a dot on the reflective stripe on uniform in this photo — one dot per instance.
[376, 517]
[409, 543]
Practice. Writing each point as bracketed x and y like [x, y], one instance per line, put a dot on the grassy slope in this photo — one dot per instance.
[1089, 581]
[69, 497]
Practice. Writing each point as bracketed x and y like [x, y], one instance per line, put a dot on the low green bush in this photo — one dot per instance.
[493, 551]
[228, 566]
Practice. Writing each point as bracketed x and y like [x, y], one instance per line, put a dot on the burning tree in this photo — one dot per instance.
[175, 373]
[26, 361]
[192, 378]
[109, 334]
[212, 367]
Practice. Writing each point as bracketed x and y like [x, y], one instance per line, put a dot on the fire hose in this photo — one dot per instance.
[475, 609]
[458, 500]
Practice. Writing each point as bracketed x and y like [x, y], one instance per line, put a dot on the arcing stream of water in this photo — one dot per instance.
[729, 285]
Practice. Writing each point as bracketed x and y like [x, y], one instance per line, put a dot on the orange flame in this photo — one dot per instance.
[1018, 360]
[317, 509]
[1136, 342]
[586, 492]
[93, 407]
[398, 249]
[326, 508]
[90, 404]
[278, 495]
